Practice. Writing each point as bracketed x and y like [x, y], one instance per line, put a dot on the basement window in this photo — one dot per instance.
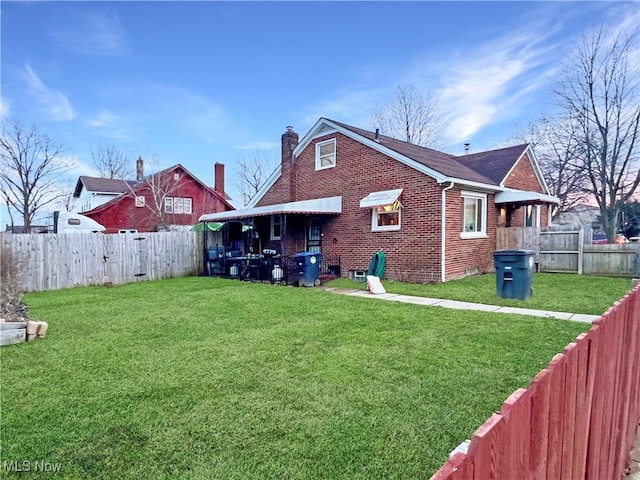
[326, 154]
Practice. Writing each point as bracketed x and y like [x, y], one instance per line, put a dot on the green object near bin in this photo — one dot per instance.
[514, 273]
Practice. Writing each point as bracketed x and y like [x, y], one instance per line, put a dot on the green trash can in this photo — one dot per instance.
[514, 273]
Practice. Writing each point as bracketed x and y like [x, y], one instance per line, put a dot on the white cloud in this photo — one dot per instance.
[74, 167]
[258, 145]
[495, 81]
[354, 105]
[4, 107]
[194, 113]
[54, 103]
[92, 33]
[103, 119]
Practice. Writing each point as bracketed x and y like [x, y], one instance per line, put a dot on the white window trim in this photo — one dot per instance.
[170, 205]
[536, 216]
[475, 196]
[385, 228]
[320, 144]
[271, 235]
[140, 201]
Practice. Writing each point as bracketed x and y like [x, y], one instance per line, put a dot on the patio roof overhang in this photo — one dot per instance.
[317, 206]
[522, 196]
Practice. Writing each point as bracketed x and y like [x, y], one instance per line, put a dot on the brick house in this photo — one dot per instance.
[348, 192]
[170, 199]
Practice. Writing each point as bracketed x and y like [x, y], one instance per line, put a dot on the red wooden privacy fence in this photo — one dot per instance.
[578, 418]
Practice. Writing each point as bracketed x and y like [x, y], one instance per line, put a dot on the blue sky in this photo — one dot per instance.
[203, 82]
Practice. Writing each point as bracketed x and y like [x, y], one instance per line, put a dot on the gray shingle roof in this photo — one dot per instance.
[488, 167]
[106, 185]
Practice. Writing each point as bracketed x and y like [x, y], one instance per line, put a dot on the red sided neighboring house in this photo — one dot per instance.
[171, 199]
[347, 192]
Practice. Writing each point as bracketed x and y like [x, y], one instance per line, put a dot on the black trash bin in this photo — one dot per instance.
[308, 268]
[514, 273]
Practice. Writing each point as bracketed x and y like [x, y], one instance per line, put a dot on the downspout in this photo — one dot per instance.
[443, 232]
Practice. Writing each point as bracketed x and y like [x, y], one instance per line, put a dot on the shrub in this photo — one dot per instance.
[11, 307]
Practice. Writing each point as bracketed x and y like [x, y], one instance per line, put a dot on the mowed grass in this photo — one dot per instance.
[551, 291]
[202, 378]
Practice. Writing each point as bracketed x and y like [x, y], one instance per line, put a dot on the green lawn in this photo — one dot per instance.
[551, 291]
[202, 378]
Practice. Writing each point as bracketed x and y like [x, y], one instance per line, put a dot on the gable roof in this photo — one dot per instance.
[485, 170]
[102, 185]
[131, 186]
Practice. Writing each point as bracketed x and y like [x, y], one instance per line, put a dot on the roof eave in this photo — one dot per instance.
[306, 140]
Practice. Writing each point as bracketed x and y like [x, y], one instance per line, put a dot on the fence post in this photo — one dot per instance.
[580, 250]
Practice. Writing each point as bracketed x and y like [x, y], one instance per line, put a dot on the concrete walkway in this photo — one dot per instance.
[438, 302]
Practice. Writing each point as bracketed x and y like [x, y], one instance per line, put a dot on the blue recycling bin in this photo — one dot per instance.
[514, 273]
[308, 268]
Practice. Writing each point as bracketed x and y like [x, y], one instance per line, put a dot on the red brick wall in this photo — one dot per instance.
[466, 256]
[123, 214]
[413, 253]
[523, 177]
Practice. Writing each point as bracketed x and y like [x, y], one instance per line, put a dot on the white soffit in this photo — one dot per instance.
[522, 196]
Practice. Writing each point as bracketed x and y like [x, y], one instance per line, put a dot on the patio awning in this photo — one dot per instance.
[210, 226]
[378, 199]
[326, 206]
[522, 196]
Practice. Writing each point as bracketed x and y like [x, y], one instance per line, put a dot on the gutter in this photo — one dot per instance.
[443, 231]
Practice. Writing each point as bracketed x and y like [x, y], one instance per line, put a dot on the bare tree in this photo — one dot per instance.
[252, 172]
[112, 163]
[151, 193]
[31, 165]
[411, 116]
[600, 94]
[555, 144]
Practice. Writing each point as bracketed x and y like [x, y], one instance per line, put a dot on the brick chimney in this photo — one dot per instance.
[289, 177]
[218, 178]
[139, 169]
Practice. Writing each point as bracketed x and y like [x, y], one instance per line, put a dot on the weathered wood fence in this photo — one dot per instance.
[566, 251]
[53, 261]
[578, 418]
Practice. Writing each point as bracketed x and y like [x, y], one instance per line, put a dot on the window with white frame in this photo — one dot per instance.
[532, 215]
[474, 214]
[178, 205]
[326, 154]
[276, 227]
[140, 201]
[386, 217]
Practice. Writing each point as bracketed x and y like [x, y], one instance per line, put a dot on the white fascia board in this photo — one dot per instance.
[369, 143]
[477, 185]
[271, 180]
[536, 168]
